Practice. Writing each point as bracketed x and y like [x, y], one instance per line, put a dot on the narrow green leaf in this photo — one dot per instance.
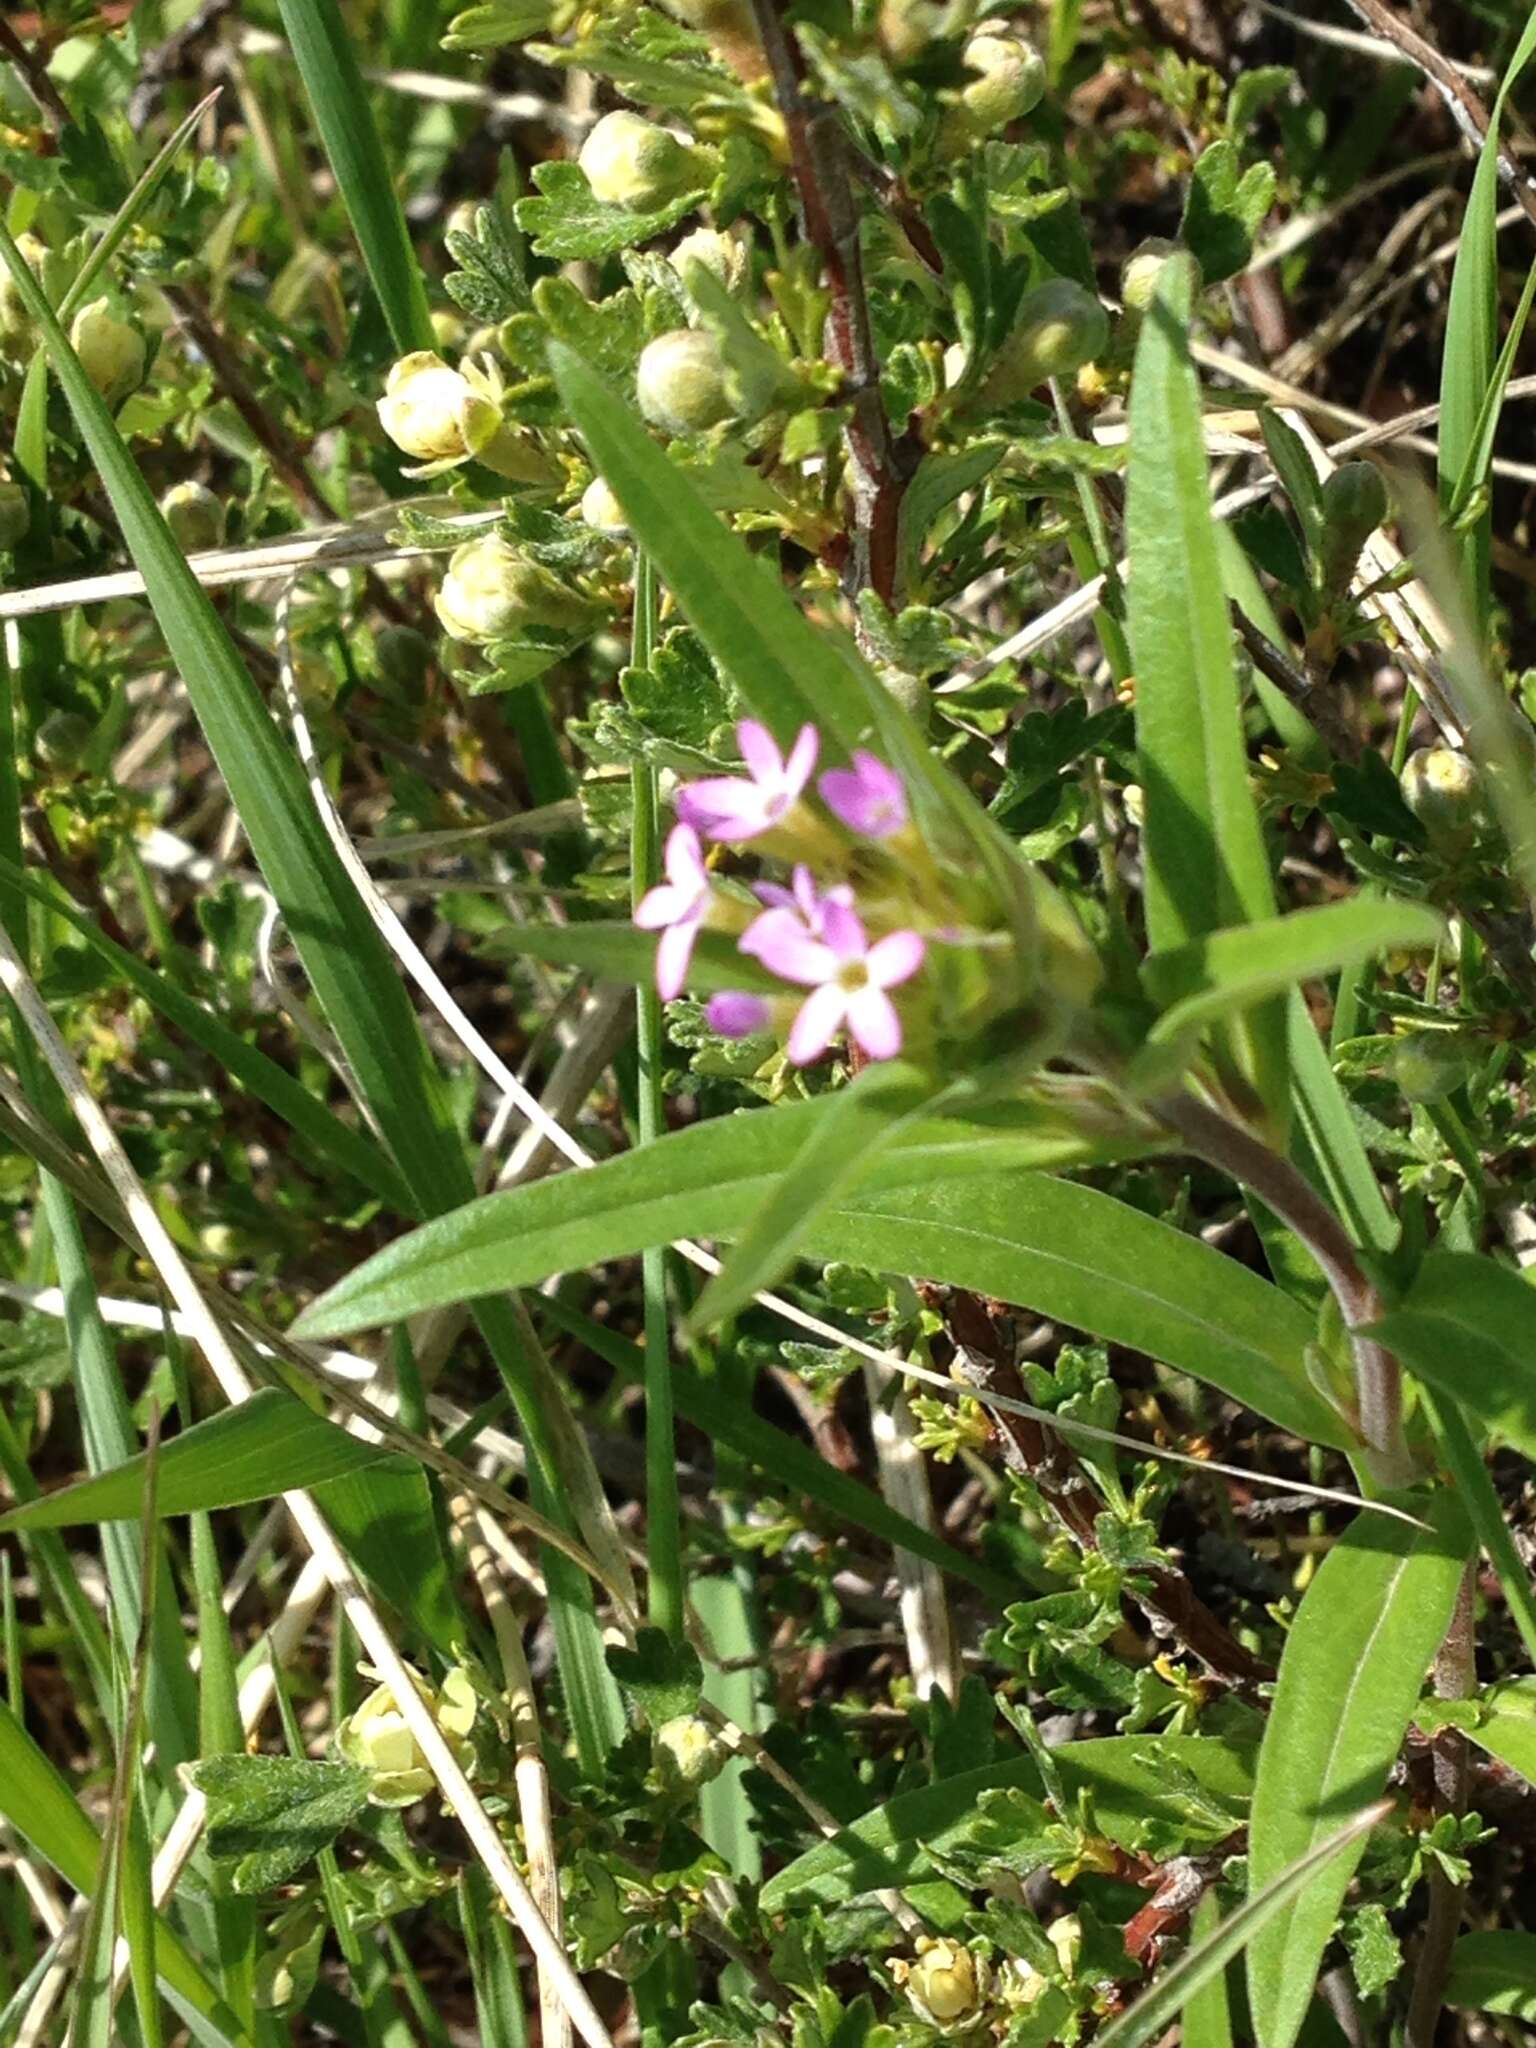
[382, 1511]
[1205, 857]
[1326, 1130]
[1464, 1461]
[323, 51]
[619, 952]
[1229, 970]
[787, 672]
[1467, 1327]
[1202, 1965]
[1350, 1678]
[1128, 1776]
[1494, 1970]
[1207, 2016]
[268, 1445]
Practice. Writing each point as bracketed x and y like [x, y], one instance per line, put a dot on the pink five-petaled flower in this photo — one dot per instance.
[676, 909]
[802, 905]
[868, 798]
[847, 976]
[734, 807]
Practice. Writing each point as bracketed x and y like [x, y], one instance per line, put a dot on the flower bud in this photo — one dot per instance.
[681, 384]
[194, 515]
[688, 1750]
[601, 509]
[1141, 270]
[377, 1737]
[15, 514]
[722, 255]
[1426, 1066]
[946, 1984]
[1009, 82]
[404, 657]
[111, 351]
[1443, 790]
[1059, 327]
[491, 592]
[438, 415]
[1354, 505]
[448, 328]
[630, 162]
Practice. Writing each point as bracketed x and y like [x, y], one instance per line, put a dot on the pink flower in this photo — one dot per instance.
[676, 909]
[735, 1015]
[848, 978]
[869, 797]
[802, 905]
[734, 807]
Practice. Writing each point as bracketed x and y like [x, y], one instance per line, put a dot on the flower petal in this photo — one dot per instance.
[672, 957]
[843, 931]
[873, 1021]
[821, 1016]
[895, 958]
[802, 759]
[784, 946]
[760, 751]
[723, 807]
[685, 858]
[663, 905]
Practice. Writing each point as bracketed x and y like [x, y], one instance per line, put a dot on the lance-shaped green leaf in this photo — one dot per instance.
[1230, 970]
[1205, 859]
[1500, 1720]
[1494, 1970]
[1175, 1988]
[1068, 1252]
[1467, 1326]
[1350, 1677]
[268, 1445]
[1463, 1456]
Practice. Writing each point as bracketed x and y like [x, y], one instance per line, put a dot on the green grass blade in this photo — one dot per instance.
[1337, 1157]
[323, 51]
[1205, 857]
[1207, 2015]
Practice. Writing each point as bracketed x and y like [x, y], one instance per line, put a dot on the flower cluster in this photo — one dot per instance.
[815, 938]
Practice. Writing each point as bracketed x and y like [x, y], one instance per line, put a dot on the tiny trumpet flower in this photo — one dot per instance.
[491, 592]
[444, 417]
[735, 1014]
[676, 908]
[803, 902]
[735, 808]
[848, 979]
[869, 798]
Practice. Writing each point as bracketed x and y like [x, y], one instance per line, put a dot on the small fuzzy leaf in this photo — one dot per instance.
[569, 224]
[270, 1815]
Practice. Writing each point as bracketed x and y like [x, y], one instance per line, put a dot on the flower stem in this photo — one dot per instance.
[1231, 1149]
[1455, 1679]
[663, 1525]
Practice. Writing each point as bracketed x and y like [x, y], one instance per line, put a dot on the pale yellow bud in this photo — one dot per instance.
[946, 1983]
[1059, 326]
[448, 328]
[491, 592]
[630, 162]
[111, 351]
[14, 318]
[1066, 1936]
[1009, 81]
[435, 414]
[1443, 790]
[681, 384]
[378, 1737]
[194, 515]
[1141, 270]
[601, 509]
[722, 255]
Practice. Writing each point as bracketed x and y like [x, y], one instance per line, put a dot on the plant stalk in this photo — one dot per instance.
[1455, 1678]
[1232, 1150]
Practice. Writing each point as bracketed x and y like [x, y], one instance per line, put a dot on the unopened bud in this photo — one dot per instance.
[194, 515]
[14, 318]
[681, 384]
[1141, 270]
[1009, 82]
[491, 592]
[722, 255]
[688, 1749]
[435, 414]
[946, 1984]
[1059, 327]
[601, 510]
[111, 351]
[1443, 790]
[15, 514]
[631, 162]
[448, 328]
[1354, 505]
